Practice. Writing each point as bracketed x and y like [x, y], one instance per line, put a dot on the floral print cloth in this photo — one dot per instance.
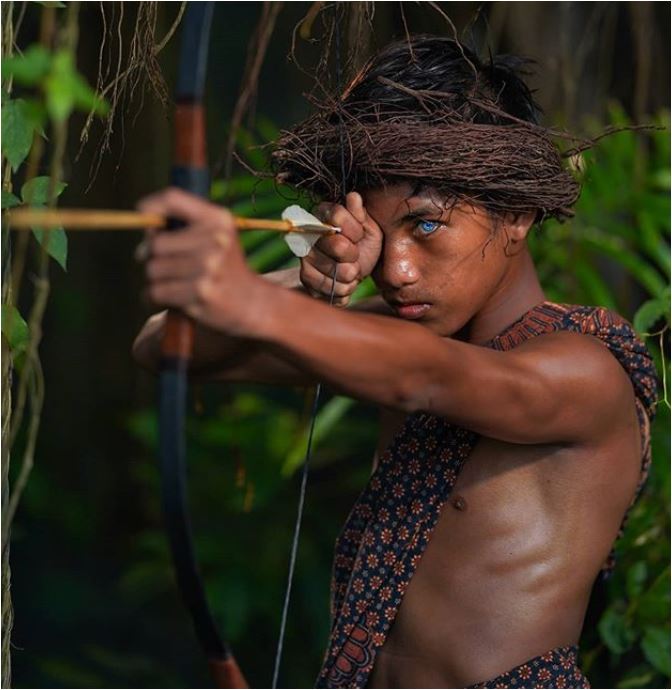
[392, 522]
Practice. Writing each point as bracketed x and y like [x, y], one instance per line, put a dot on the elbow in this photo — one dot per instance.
[414, 393]
[424, 385]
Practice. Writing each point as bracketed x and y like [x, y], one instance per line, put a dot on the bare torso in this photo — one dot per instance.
[509, 569]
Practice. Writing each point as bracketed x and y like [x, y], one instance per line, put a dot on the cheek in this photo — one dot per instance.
[468, 272]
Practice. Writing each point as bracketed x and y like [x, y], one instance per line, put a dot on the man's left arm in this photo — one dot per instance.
[554, 388]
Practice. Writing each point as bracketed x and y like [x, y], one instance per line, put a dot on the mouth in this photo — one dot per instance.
[411, 310]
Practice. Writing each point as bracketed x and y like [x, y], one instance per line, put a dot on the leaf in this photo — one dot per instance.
[86, 98]
[14, 328]
[17, 132]
[325, 421]
[639, 677]
[30, 68]
[654, 605]
[651, 312]
[36, 191]
[615, 248]
[636, 579]
[66, 89]
[615, 631]
[656, 647]
[58, 87]
[55, 242]
[9, 200]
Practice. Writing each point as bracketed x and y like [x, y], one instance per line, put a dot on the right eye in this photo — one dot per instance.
[425, 227]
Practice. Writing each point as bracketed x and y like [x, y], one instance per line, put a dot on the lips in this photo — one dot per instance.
[411, 310]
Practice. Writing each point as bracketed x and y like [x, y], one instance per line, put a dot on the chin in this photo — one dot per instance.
[449, 325]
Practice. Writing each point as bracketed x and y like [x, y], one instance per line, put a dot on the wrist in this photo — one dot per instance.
[261, 300]
[287, 277]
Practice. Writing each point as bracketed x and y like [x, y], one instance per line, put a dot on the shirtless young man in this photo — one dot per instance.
[514, 431]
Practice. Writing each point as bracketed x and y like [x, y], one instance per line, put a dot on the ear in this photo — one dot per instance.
[519, 224]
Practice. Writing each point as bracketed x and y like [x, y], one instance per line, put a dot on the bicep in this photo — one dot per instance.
[557, 388]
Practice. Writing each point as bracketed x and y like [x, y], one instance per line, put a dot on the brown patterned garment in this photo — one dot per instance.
[555, 669]
[392, 522]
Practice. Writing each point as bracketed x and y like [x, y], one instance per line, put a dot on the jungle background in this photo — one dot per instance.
[94, 601]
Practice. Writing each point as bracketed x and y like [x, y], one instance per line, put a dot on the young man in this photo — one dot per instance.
[514, 431]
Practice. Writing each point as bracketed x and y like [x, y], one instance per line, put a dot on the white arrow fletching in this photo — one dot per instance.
[301, 243]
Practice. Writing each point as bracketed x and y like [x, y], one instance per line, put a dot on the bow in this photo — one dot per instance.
[190, 173]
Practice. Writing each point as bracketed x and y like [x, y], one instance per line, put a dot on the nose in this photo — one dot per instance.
[397, 266]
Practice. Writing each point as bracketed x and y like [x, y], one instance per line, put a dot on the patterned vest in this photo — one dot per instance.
[392, 522]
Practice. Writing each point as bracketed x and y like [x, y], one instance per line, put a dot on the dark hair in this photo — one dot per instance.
[426, 64]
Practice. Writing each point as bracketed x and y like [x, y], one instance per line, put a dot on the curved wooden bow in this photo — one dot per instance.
[190, 173]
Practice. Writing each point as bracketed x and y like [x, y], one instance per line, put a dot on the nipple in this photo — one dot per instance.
[459, 503]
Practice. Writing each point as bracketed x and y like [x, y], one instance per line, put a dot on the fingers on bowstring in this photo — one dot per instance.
[322, 283]
[338, 247]
[347, 271]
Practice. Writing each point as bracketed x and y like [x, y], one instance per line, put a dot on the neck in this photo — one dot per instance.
[517, 293]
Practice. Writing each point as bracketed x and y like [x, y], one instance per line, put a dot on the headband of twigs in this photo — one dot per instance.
[514, 167]
[476, 153]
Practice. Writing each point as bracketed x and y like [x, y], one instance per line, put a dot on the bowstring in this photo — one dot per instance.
[316, 400]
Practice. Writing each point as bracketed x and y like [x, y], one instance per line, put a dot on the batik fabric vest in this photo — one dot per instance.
[392, 522]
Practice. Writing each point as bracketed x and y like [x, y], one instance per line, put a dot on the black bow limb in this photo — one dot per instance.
[190, 172]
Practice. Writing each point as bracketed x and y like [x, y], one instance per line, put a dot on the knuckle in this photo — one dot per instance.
[209, 263]
[340, 245]
[344, 289]
[305, 274]
[348, 272]
[340, 216]
[203, 290]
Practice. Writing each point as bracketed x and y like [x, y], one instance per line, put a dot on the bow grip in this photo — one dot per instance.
[190, 173]
[227, 674]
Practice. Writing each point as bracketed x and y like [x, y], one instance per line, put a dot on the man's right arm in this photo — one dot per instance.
[219, 357]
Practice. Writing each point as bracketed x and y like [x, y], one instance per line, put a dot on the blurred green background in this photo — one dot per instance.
[93, 591]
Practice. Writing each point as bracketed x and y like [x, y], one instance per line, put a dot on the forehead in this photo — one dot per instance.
[396, 203]
[397, 200]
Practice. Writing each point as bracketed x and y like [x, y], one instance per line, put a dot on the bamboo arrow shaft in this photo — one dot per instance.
[88, 219]
[82, 219]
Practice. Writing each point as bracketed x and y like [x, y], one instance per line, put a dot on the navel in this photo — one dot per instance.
[459, 503]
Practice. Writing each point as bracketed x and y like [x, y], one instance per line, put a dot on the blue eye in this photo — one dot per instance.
[427, 227]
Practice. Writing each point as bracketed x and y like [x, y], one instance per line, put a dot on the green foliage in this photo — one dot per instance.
[55, 74]
[9, 200]
[60, 90]
[18, 127]
[14, 328]
[36, 192]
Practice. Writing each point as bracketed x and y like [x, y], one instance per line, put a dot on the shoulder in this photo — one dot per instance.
[590, 389]
[620, 341]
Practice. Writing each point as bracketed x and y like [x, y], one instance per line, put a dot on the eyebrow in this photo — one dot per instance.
[431, 212]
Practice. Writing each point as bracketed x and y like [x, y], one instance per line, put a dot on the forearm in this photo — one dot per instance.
[210, 349]
[213, 352]
[367, 356]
